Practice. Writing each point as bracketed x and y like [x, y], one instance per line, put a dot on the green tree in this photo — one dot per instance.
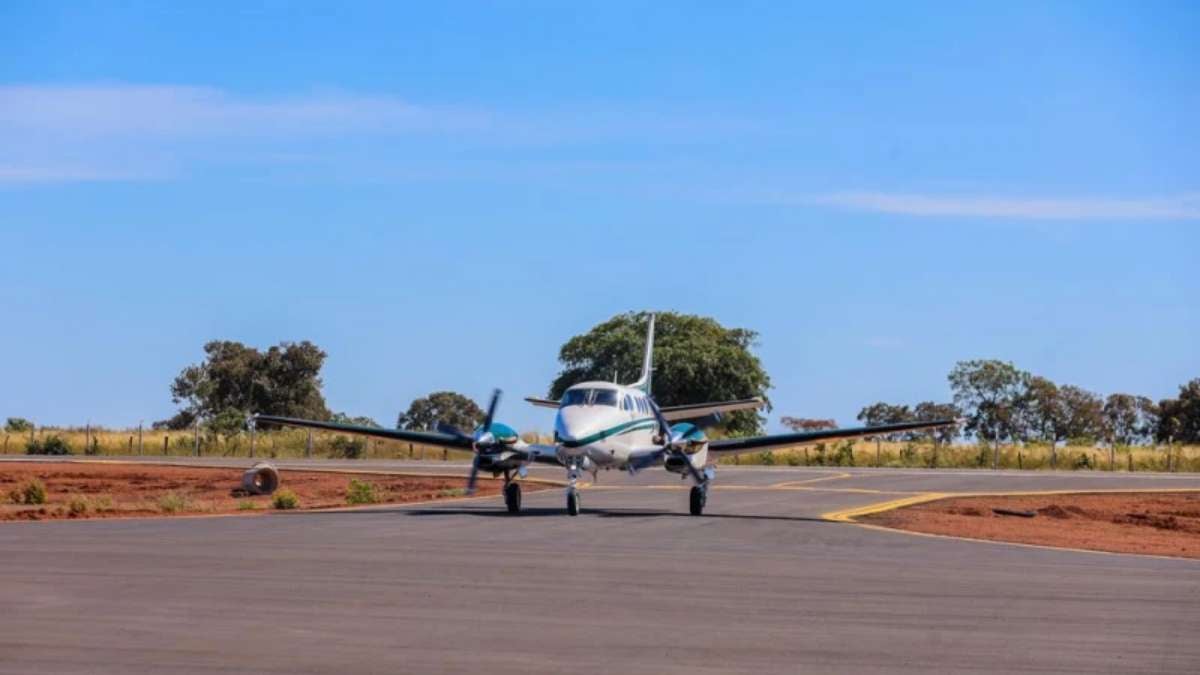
[362, 421]
[285, 380]
[1179, 418]
[807, 424]
[930, 411]
[1129, 419]
[446, 407]
[18, 425]
[1084, 412]
[880, 413]
[990, 393]
[696, 359]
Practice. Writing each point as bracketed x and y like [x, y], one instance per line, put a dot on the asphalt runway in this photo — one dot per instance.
[761, 583]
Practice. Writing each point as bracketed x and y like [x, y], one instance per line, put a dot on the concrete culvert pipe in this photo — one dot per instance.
[260, 479]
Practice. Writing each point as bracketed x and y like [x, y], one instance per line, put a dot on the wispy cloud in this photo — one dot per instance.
[126, 131]
[1179, 207]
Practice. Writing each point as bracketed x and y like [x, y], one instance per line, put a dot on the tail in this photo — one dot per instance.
[643, 382]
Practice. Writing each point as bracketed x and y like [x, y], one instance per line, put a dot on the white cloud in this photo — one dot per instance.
[1180, 207]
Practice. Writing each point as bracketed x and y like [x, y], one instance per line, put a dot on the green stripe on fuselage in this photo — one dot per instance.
[624, 428]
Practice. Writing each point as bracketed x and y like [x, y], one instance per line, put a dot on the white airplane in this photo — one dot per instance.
[604, 425]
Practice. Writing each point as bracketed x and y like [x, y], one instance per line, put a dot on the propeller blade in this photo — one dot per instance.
[664, 427]
[491, 411]
[471, 477]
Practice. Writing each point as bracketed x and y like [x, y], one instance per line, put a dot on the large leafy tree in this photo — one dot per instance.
[445, 407]
[234, 378]
[886, 413]
[1129, 419]
[990, 393]
[696, 359]
[1179, 418]
[931, 411]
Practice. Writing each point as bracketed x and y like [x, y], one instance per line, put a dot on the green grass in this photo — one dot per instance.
[285, 500]
[361, 492]
[172, 502]
[1032, 456]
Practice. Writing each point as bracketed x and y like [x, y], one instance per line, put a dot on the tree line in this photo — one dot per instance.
[696, 359]
[1001, 403]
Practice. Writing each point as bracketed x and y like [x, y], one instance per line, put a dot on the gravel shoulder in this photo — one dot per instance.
[1166, 523]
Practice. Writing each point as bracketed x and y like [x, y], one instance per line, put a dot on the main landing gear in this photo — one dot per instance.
[512, 496]
[699, 494]
[698, 498]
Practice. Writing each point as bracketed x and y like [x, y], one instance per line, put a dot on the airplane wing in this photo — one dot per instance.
[697, 410]
[737, 446]
[423, 437]
[542, 402]
[543, 454]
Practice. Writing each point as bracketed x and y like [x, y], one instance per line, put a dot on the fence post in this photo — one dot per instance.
[87, 438]
[253, 439]
[410, 451]
[130, 444]
[166, 441]
[878, 459]
[196, 438]
[308, 445]
[139, 439]
[1020, 462]
[1130, 456]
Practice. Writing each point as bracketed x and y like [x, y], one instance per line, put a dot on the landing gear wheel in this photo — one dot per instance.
[698, 498]
[572, 503]
[512, 497]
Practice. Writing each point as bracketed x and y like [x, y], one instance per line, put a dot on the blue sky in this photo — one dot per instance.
[439, 196]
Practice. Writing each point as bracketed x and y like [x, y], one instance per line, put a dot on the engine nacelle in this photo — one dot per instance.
[697, 455]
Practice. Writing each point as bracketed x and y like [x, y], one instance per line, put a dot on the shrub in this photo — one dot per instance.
[361, 492]
[453, 492]
[33, 492]
[51, 445]
[247, 505]
[18, 425]
[794, 459]
[345, 447]
[172, 502]
[78, 506]
[845, 454]
[285, 499]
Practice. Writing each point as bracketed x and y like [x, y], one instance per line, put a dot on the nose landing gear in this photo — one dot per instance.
[572, 491]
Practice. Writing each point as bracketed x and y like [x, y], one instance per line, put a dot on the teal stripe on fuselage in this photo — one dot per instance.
[620, 429]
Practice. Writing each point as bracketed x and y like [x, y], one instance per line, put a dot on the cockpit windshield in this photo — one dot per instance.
[606, 397]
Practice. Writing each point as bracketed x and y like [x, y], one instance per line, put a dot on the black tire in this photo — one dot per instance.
[572, 503]
[512, 497]
[698, 498]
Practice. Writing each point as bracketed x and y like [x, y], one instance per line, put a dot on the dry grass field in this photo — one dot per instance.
[293, 443]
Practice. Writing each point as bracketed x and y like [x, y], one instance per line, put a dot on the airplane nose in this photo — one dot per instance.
[570, 431]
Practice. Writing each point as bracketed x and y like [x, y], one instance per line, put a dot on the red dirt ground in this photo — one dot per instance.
[1147, 523]
[118, 490]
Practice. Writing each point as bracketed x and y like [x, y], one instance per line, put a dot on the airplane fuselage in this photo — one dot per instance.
[606, 425]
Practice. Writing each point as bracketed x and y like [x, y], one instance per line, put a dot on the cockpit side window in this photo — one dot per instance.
[605, 397]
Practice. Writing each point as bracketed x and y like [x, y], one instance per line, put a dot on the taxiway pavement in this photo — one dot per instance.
[761, 583]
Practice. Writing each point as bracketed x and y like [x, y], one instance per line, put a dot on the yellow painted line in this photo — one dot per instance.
[792, 483]
[848, 515]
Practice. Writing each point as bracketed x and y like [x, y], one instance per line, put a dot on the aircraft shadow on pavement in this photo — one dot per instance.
[539, 512]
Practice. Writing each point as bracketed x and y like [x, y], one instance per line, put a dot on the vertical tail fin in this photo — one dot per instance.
[643, 382]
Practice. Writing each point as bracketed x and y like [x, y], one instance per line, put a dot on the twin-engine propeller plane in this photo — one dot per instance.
[603, 425]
